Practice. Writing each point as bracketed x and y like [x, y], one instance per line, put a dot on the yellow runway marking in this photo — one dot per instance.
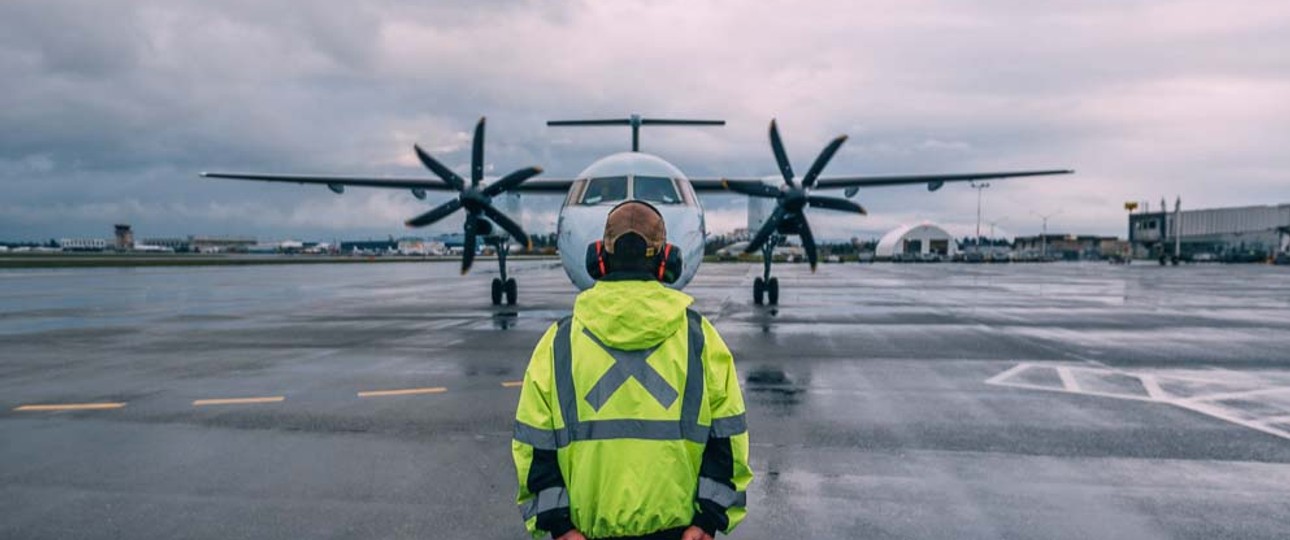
[238, 401]
[70, 407]
[512, 384]
[403, 392]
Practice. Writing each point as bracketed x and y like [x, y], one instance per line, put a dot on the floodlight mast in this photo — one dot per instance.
[636, 121]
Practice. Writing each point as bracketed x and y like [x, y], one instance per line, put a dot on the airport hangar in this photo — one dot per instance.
[924, 239]
[1223, 233]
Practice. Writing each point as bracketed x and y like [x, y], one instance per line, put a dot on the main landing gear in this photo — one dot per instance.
[503, 287]
[766, 288]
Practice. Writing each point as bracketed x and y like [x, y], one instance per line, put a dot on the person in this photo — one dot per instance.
[631, 421]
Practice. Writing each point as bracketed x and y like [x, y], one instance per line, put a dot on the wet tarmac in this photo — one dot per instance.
[885, 401]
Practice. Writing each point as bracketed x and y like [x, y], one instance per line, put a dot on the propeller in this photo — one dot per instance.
[788, 217]
[475, 199]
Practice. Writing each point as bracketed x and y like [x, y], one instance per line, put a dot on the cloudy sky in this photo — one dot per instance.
[108, 110]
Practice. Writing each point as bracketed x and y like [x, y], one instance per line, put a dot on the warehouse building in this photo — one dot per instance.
[1246, 233]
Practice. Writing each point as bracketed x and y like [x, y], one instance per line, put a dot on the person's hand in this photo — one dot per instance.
[573, 534]
[695, 533]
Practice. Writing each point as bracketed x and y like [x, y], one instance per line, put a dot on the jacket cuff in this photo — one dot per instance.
[707, 522]
[559, 526]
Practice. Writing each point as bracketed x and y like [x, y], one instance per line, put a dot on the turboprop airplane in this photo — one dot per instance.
[632, 175]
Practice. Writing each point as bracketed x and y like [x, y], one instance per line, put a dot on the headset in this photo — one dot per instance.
[667, 264]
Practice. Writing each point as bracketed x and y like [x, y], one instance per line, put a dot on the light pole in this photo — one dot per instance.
[992, 238]
[978, 186]
[1043, 238]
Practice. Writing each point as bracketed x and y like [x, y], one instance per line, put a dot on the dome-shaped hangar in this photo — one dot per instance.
[925, 241]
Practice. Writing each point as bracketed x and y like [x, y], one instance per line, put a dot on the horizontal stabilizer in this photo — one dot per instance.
[636, 121]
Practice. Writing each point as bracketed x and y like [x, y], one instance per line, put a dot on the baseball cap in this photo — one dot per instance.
[636, 217]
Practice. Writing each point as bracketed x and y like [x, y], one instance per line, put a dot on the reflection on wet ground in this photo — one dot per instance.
[921, 401]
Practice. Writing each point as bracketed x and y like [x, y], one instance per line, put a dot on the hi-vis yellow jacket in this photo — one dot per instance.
[631, 420]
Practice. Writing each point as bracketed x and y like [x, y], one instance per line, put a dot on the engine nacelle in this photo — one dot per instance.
[419, 193]
[336, 188]
[935, 185]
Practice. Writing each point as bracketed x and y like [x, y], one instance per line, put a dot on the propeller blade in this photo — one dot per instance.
[468, 243]
[808, 181]
[477, 154]
[442, 172]
[765, 231]
[510, 181]
[438, 213]
[509, 225]
[808, 242]
[752, 189]
[834, 203]
[781, 158]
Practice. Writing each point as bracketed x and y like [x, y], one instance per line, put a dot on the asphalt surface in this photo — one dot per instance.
[885, 401]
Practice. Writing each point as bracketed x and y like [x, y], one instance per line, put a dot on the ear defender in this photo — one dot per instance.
[596, 259]
[669, 264]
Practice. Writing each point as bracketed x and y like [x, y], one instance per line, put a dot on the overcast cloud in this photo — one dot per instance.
[108, 110]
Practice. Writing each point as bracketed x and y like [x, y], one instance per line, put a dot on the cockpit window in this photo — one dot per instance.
[655, 189]
[606, 189]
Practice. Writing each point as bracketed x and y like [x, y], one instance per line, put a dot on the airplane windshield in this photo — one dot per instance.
[655, 189]
[603, 190]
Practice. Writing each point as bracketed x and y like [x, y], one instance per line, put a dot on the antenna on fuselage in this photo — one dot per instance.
[636, 121]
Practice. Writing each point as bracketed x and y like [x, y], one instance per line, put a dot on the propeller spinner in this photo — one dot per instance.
[476, 200]
[788, 217]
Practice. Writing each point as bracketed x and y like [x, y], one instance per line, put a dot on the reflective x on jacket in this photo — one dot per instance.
[631, 420]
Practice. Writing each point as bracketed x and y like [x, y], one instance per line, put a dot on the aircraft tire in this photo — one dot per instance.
[772, 291]
[497, 292]
[512, 291]
[759, 291]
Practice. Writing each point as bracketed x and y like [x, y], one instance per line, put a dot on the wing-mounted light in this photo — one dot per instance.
[935, 185]
[336, 188]
[419, 193]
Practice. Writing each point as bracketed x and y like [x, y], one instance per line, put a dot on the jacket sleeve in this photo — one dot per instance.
[543, 501]
[724, 475]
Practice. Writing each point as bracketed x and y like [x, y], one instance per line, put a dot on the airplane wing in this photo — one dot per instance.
[933, 181]
[337, 183]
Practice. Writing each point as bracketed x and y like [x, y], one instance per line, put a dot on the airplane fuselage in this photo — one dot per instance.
[629, 176]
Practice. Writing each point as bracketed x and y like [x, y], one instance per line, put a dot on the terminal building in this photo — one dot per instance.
[1245, 233]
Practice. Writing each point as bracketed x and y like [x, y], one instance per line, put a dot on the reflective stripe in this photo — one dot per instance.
[694, 380]
[717, 492]
[741, 500]
[629, 365]
[541, 439]
[551, 498]
[653, 430]
[729, 426]
[564, 372]
[687, 427]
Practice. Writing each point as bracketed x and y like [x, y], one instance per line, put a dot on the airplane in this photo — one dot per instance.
[633, 174]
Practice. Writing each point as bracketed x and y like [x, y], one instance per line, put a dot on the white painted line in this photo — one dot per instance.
[70, 407]
[1153, 388]
[1238, 395]
[1080, 392]
[403, 392]
[998, 379]
[1220, 414]
[1068, 379]
[238, 401]
[1283, 419]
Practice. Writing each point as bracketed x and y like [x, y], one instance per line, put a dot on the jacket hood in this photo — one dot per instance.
[631, 315]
